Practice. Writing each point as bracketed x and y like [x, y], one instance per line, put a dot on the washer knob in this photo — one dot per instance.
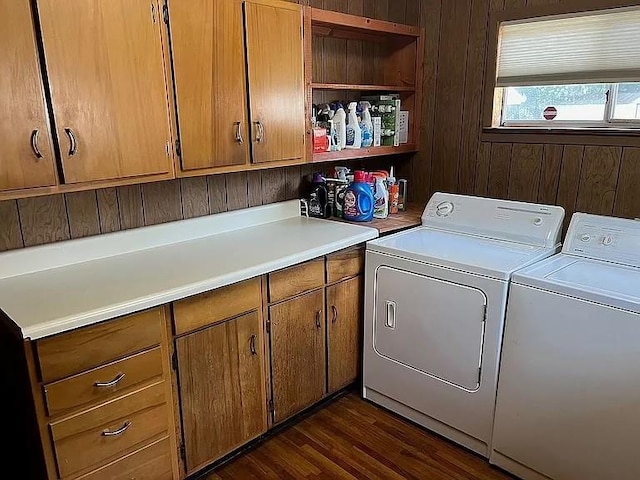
[586, 237]
[537, 221]
[607, 240]
[444, 209]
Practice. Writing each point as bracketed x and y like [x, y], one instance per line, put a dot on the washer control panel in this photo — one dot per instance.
[520, 222]
[604, 238]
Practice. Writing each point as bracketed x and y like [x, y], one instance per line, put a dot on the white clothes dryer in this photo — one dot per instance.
[568, 404]
[435, 299]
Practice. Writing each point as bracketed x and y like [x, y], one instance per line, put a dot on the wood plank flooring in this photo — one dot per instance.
[353, 439]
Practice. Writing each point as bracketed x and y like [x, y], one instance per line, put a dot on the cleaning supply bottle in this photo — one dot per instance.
[340, 124]
[354, 134]
[366, 125]
[394, 192]
[381, 198]
[358, 200]
[318, 197]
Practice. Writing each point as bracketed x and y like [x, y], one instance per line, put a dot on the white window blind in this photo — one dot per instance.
[598, 47]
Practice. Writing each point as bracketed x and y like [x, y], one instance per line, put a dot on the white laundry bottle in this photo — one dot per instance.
[354, 133]
[340, 123]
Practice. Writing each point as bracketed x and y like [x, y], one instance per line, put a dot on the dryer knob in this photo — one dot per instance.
[444, 209]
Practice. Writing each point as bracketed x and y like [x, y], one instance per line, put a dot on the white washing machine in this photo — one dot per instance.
[435, 300]
[568, 404]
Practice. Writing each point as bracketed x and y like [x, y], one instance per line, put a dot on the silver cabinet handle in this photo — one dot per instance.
[318, 317]
[112, 383]
[260, 132]
[334, 319]
[115, 433]
[34, 143]
[252, 345]
[391, 315]
[73, 145]
[239, 138]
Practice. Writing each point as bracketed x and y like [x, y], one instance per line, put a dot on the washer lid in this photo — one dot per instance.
[587, 279]
[469, 253]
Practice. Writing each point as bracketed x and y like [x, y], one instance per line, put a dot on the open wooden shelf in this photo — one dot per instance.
[362, 88]
[363, 153]
[340, 25]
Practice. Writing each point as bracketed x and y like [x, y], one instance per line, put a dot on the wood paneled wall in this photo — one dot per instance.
[601, 179]
[41, 220]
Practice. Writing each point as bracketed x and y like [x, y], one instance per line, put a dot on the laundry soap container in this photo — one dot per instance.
[358, 199]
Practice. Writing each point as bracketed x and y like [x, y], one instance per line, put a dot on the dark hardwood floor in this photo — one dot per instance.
[353, 439]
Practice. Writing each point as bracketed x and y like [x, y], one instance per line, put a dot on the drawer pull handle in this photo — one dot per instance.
[73, 145]
[260, 131]
[318, 315]
[239, 138]
[112, 383]
[115, 433]
[252, 345]
[335, 314]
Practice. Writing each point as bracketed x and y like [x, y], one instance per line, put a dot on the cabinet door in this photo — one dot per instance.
[298, 368]
[207, 44]
[27, 154]
[276, 80]
[222, 388]
[344, 332]
[106, 74]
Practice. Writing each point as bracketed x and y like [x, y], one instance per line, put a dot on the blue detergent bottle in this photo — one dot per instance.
[358, 199]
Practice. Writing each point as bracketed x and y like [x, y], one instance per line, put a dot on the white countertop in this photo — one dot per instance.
[55, 288]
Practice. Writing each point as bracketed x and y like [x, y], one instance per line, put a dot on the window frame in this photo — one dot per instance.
[619, 134]
[608, 120]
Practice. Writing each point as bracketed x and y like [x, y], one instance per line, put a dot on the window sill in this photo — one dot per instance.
[566, 136]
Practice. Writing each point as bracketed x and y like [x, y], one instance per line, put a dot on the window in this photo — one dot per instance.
[580, 70]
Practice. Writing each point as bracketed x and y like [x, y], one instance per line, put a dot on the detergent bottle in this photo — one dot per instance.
[358, 199]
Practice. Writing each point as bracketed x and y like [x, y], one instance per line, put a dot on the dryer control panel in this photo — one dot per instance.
[528, 223]
[604, 238]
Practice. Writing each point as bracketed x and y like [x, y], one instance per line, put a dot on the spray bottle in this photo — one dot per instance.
[354, 134]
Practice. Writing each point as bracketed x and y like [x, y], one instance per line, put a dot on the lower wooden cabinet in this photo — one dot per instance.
[344, 331]
[298, 368]
[222, 388]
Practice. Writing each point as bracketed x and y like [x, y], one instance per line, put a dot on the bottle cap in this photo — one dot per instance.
[318, 178]
[359, 176]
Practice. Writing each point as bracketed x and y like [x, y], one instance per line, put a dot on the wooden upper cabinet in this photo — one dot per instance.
[209, 66]
[298, 368]
[275, 65]
[107, 79]
[27, 154]
[222, 388]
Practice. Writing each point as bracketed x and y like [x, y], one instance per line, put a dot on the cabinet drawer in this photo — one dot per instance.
[295, 280]
[106, 432]
[345, 264]
[103, 383]
[152, 462]
[88, 347]
[212, 307]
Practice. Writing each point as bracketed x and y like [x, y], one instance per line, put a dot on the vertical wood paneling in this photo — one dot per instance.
[274, 186]
[628, 197]
[10, 232]
[161, 202]
[195, 197]
[455, 17]
[570, 172]
[237, 196]
[524, 176]
[413, 13]
[550, 174]
[482, 172]
[397, 10]
[473, 87]
[254, 188]
[217, 193]
[43, 220]
[598, 181]
[82, 213]
[130, 206]
[108, 210]
[499, 167]
[292, 176]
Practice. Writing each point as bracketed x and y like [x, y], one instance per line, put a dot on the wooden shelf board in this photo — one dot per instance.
[344, 21]
[363, 153]
[371, 88]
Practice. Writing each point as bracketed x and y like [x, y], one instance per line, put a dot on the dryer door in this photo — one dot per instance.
[431, 325]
